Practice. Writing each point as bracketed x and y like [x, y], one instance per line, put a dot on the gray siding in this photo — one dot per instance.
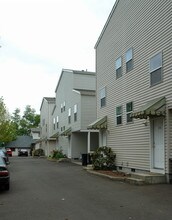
[88, 110]
[84, 81]
[68, 91]
[146, 27]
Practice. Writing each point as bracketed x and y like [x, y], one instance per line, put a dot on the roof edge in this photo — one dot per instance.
[106, 24]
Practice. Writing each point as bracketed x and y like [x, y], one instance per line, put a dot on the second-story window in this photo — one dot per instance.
[156, 69]
[69, 115]
[57, 123]
[61, 108]
[64, 106]
[129, 60]
[102, 97]
[118, 67]
[119, 115]
[54, 123]
[75, 112]
[129, 110]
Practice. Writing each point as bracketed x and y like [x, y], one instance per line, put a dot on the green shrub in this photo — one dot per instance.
[57, 154]
[103, 159]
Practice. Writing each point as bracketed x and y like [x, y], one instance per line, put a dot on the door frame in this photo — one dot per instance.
[152, 168]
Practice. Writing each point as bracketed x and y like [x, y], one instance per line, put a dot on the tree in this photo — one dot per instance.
[16, 120]
[7, 128]
[29, 120]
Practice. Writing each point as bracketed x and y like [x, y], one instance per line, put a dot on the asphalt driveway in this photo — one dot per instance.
[45, 190]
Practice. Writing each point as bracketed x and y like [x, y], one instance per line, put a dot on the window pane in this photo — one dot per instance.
[118, 63]
[129, 119]
[102, 93]
[129, 55]
[156, 76]
[119, 120]
[75, 108]
[129, 66]
[156, 62]
[103, 102]
[129, 107]
[118, 72]
[119, 110]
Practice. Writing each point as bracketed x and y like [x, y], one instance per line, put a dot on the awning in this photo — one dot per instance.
[66, 132]
[55, 135]
[98, 124]
[155, 107]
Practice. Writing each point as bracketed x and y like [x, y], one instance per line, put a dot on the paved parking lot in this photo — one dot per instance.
[46, 190]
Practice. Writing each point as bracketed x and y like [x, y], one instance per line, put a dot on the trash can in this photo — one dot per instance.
[84, 159]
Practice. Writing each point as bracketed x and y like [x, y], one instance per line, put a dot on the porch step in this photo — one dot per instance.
[149, 178]
[134, 181]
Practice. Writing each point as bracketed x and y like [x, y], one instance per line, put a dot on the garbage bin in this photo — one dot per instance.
[84, 160]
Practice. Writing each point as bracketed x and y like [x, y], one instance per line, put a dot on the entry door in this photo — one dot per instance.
[158, 143]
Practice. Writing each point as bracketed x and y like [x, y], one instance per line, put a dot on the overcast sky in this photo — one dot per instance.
[39, 38]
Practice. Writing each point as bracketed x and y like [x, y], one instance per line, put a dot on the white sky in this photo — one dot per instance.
[41, 37]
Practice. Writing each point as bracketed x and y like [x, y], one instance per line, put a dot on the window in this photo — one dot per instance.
[119, 115]
[64, 106]
[129, 60]
[61, 108]
[156, 69]
[102, 97]
[43, 122]
[57, 124]
[129, 109]
[118, 66]
[75, 112]
[54, 123]
[69, 115]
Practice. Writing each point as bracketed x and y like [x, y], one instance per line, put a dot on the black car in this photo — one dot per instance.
[23, 152]
[4, 175]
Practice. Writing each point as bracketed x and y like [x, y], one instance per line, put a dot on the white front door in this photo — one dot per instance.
[158, 143]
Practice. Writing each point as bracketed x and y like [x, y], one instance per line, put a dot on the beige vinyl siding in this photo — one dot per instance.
[84, 80]
[146, 27]
[170, 133]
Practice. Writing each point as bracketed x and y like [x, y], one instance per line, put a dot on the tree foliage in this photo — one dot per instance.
[7, 128]
[29, 120]
[16, 125]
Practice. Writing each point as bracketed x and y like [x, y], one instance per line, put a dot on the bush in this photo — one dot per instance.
[57, 154]
[38, 152]
[103, 159]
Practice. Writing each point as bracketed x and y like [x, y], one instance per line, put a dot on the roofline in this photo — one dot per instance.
[74, 72]
[106, 24]
[45, 98]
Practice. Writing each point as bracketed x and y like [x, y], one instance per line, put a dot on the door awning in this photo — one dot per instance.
[55, 135]
[67, 132]
[155, 107]
[100, 123]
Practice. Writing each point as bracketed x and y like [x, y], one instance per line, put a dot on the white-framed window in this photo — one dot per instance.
[155, 68]
[129, 60]
[75, 112]
[102, 97]
[129, 110]
[118, 67]
[61, 108]
[54, 123]
[64, 106]
[119, 115]
[69, 115]
[57, 123]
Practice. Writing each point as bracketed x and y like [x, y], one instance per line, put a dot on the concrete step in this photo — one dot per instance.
[134, 181]
[150, 178]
